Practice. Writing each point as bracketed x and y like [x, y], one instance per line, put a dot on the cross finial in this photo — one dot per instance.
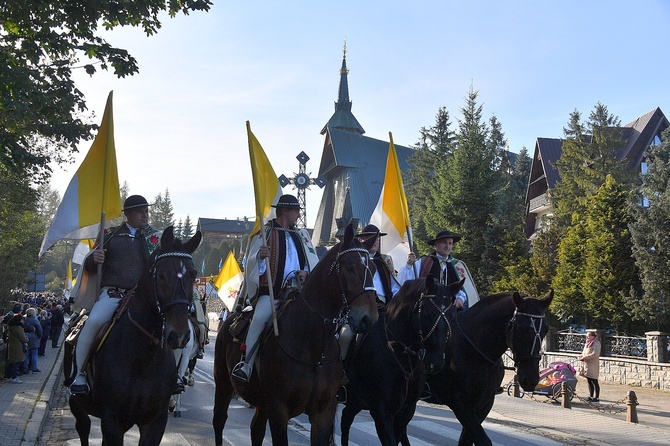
[345, 48]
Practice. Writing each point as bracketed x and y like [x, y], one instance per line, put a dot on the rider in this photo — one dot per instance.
[440, 262]
[125, 252]
[287, 261]
[383, 279]
[199, 319]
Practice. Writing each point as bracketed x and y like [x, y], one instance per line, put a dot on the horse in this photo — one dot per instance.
[480, 336]
[300, 371]
[185, 359]
[387, 371]
[134, 371]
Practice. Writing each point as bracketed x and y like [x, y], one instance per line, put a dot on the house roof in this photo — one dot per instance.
[224, 226]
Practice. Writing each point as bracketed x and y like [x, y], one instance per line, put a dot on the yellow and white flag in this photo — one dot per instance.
[93, 189]
[228, 281]
[69, 282]
[392, 212]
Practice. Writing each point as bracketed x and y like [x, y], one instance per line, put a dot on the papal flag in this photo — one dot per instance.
[93, 189]
[69, 282]
[392, 212]
[267, 191]
[228, 281]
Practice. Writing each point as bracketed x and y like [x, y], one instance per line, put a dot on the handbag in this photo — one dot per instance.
[582, 370]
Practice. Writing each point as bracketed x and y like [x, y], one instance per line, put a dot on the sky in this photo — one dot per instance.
[180, 122]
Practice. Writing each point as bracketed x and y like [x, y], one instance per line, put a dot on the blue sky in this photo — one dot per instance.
[180, 122]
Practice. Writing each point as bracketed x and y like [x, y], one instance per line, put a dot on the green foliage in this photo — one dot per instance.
[569, 302]
[187, 230]
[650, 232]
[41, 110]
[609, 269]
[161, 213]
[21, 230]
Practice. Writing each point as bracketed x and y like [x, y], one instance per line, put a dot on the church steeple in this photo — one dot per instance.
[343, 119]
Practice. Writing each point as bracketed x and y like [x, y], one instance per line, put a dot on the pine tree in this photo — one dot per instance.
[650, 232]
[466, 185]
[609, 269]
[161, 213]
[434, 149]
[569, 302]
[187, 230]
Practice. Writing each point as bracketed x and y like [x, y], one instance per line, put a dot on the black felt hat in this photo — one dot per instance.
[369, 231]
[287, 201]
[134, 201]
[444, 234]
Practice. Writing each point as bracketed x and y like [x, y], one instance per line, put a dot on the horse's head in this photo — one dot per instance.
[351, 265]
[425, 301]
[524, 337]
[173, 275]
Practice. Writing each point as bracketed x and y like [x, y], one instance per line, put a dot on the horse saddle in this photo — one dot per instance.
[241, 320]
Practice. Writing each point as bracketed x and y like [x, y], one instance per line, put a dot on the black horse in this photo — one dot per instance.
[134, 370]
[387, 372]
[480, 336]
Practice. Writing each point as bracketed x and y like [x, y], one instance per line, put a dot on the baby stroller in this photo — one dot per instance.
[552, 377]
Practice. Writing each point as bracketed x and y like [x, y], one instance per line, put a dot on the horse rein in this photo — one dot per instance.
[173, 302]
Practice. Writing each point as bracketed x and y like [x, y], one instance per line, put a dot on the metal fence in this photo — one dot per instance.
[615, 345]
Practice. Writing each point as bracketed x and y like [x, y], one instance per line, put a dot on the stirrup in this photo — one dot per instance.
[79, 389]
[240, 373]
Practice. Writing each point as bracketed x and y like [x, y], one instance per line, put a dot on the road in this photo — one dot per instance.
[432, 425]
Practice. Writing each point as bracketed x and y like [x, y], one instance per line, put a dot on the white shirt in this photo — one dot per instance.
[407, 273]
[292, 260]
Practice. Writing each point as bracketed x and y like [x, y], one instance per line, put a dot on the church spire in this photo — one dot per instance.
[343, 119]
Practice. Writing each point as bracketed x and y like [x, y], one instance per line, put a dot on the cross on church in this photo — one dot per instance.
[302, 181]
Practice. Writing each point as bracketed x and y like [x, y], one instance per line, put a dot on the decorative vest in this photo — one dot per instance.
[276, 240]
[384, 273]
[431, 264]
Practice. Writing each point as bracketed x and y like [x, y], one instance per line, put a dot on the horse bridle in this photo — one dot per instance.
[365, 257]
[536, 322]
[408, 349]
[173, 302]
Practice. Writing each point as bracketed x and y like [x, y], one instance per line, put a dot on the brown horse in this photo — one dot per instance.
[134, 370]
[300, 370]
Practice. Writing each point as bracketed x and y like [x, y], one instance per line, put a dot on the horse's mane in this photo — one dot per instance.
[407, 296]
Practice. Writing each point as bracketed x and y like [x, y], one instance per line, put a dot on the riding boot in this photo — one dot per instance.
[262, 314]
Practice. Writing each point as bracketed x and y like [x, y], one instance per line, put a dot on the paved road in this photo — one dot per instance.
[513, 421]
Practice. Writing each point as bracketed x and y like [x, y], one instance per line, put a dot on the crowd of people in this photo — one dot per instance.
[27, 328]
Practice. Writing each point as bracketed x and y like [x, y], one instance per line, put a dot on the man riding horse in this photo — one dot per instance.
[125, 252]
[286, 256]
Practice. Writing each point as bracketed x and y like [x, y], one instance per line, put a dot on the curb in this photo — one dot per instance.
[39, 414]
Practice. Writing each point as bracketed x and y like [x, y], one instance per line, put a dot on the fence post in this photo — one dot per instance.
[631, 403]
[657, 343]
[565, 395]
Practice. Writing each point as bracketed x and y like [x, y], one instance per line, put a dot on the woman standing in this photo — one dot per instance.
[45, 322]
[34, 333]
[591, 358]
[16, 337]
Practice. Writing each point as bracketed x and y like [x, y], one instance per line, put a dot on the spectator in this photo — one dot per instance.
[57, 321]
[591, 368]
[45, 322]
[33, 330]
[16, 340]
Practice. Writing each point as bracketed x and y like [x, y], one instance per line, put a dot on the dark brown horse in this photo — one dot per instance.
[300, 370]
[134, 371]
[388, 370]
[480, 336]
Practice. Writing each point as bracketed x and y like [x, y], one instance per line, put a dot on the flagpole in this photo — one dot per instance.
[410, 240]
[268, 275]
[101, 232]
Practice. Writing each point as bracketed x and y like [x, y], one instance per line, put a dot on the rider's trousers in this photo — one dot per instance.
[346, 336]
[262, 315]
[102, 311]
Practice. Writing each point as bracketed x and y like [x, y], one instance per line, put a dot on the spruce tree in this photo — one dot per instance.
[187, 230]
[650, 232]
[609, 268]
[569, 303]
[161, 213]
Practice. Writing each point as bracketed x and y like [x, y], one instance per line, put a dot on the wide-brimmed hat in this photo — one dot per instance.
[369, 231]
[134, 201]
[287, 201]
[444, 234]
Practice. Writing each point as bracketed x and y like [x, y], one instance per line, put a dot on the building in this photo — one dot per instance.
[350, 162]
[638, 135]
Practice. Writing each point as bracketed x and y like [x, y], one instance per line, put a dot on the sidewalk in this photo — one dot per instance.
[24, 407]
[589, 423]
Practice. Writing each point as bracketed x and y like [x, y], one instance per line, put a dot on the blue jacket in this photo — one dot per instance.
[33, 331]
